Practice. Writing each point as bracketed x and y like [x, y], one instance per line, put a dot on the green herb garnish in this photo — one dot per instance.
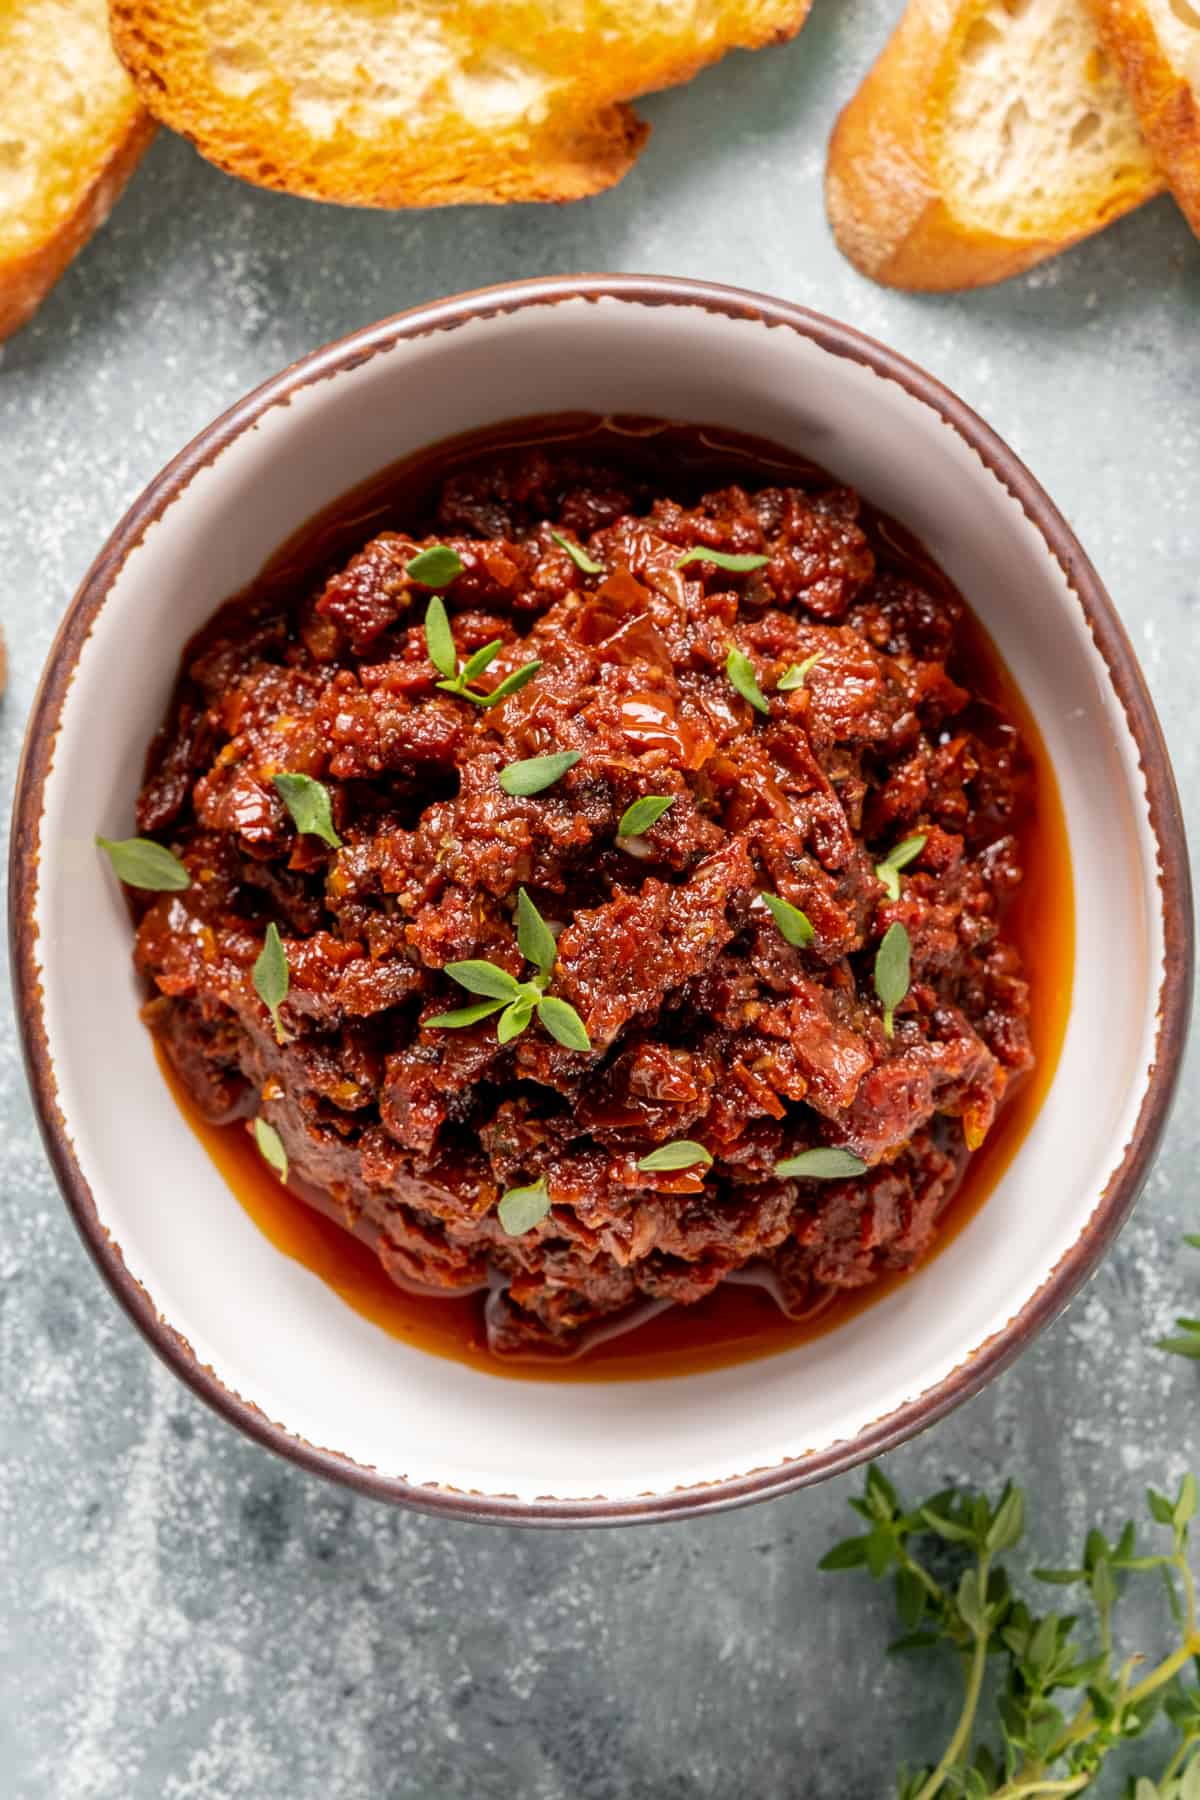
[520, 1209]
[517, 1001]
[793, 925]
[684, 1153]
[644, 813]
[463, 1016]
[534, 936]
[741, 673]
[510, 685]
[308, 803]
[1187, 1342]
[270, 1147]
[479, 977]
[272, 978]
[1062, 1704]
[435, 567]
[141, 863]
[578, 556]
[439, 643]
[563, 1023]
[893, 968]
[797, 674]
[822, 1165]
[889, 869]
[514, 1019]
[723, 559]
[439, 639]
[537, 772]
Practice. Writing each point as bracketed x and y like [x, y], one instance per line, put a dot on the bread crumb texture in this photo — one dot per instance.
[1156, 46]
[1037, 131]
[425, 102]
[64, 102]
[1177, 24]
[72, 130]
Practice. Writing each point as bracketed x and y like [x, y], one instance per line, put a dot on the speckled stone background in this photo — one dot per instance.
[183, 1617]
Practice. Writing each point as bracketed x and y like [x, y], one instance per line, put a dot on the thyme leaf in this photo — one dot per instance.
[463, 1016]
[510, 685]
[270, 1147]
[744, 678]
[534, 935]
[435, 567]
[822, 1165]
[684, 1153]
[578, 556]
[522, 1208]
[479, 977]
[794, 925]
[439, 639]
[482, 659]
[644, 813]
[308, 803]
[889, 869]
[893, 964]
[537, 772]
[141, 863]
[563, 1023]
[797, 674]
[722, 559]
[272, 978]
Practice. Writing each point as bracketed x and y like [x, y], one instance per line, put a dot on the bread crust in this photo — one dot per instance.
[580, 148]
[26, 280]
[1166, 104]
[885, 205]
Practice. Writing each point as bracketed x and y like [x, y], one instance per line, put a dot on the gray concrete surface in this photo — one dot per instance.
[184, 1618]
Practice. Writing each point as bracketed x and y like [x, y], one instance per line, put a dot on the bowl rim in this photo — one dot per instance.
[1166, 822]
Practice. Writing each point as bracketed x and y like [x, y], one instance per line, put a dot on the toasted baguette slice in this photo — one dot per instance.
[989, 135]
[425, 102]
[1156, 46]
[71, 133]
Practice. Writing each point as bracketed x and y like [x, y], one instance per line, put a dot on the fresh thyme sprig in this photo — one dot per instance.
[439, 642]
[516, 1001]
[1041, 1742]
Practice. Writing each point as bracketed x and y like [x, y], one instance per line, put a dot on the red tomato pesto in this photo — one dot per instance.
[705, 1023]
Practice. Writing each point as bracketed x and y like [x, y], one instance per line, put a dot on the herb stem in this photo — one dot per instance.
[1071, 1784]
[960, 1743]
[1085, 1719]
[1167, 1669]
[907, 1561]
[1189, 1595]
[1173, 1765]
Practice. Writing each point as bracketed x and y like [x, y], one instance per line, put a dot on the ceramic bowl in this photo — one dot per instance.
[261, 1338]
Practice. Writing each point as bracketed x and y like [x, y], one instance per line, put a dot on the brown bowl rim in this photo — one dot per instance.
[1121, 1191]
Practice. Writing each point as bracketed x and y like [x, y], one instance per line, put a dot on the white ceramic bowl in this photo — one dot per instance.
[264, 1340]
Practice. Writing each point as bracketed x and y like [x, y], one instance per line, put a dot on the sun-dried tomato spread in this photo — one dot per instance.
[803, 703]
